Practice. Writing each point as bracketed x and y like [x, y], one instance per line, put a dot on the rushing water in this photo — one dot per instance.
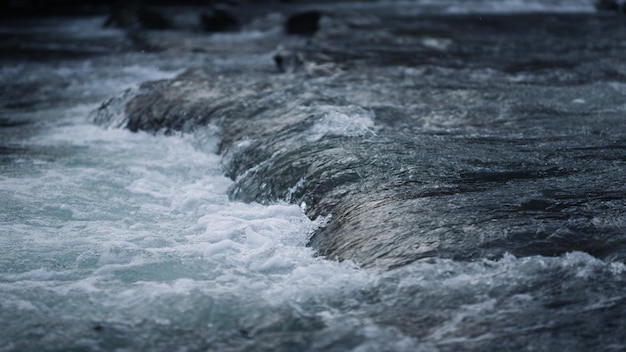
[120, 240]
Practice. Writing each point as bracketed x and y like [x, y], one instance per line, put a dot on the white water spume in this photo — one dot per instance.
[348, 121]
[122, 228]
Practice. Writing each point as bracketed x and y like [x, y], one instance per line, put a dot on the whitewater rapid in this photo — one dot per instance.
[112, 240]
[115, 240]
[124, 229]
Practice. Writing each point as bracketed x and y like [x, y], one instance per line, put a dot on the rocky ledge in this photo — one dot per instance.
[445, 138]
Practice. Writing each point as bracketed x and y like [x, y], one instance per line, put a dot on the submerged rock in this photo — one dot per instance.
[153, 19]
[219, 20]
[134, 16]
[123, 16]
[607, 5]
[305, 23]
[288, 61]
[393, 199]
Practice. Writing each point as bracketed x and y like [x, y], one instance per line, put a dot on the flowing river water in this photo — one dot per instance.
[427, 179]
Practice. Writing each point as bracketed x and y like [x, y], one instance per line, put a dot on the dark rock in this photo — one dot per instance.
[135, 15]
[288, 61]
[123, 15]
[132, 16]
[311, 63]
[305, 23]
[153, 19]
[607, 5]
[402, 185]
[219, 20]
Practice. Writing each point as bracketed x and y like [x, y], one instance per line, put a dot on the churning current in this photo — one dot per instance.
[400, 176]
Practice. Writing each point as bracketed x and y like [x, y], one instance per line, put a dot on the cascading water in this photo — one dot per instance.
[205, 233]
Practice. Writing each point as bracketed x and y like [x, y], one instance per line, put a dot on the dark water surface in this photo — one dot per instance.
[461, 170]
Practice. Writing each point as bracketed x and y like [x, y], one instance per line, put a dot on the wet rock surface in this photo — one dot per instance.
[460, 137]
[305, 23]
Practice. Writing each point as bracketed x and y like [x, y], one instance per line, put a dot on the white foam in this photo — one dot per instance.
[349, 121]
[133, 221]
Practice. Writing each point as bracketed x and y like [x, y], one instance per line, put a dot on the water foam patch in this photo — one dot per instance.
[349, 121]
[129, 229]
